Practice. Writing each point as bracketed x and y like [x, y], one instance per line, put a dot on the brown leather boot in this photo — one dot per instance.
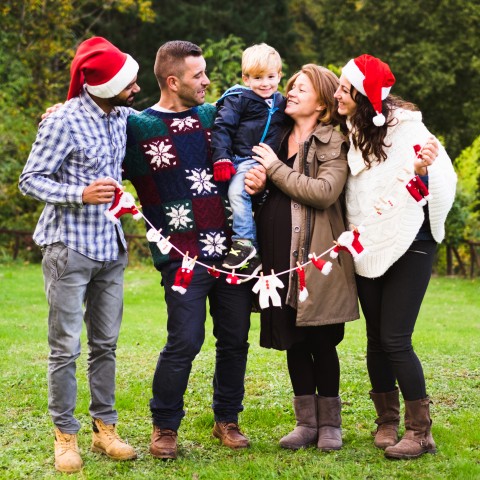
[106, 440]
[230, 435]
[329, 423]
[67, 453]
[163, 443]
[418, 436]
[306, 431]
[387, 406]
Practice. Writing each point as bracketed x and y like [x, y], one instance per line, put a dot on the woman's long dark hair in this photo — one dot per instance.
[369, 138]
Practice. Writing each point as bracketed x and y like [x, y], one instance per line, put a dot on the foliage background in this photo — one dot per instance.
[431, 45]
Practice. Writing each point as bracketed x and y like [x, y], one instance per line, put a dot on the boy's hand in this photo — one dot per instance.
[223, 170]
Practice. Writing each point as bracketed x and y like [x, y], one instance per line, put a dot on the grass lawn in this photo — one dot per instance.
[447, 340]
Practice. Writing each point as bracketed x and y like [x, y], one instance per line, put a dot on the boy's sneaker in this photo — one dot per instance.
[240, 252]
[250, 269]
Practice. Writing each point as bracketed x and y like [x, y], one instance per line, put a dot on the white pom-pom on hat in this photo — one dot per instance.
[373, 79]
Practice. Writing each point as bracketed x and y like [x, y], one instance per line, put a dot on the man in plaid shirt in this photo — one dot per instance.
[74, 166]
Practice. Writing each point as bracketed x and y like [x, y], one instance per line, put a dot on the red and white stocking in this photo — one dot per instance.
[123, 202]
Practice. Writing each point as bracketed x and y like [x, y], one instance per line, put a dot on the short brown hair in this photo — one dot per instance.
[170, 56]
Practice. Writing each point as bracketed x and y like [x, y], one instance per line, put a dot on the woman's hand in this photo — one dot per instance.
[264, 154]
[255, 180]
[427, 156]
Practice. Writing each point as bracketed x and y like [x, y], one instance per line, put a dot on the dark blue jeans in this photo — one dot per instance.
[390, 305]
[230, 307]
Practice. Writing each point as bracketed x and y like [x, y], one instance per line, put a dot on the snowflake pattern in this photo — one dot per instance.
[179, 218]
[159, 151]
[179, 124]
[200, 181]
[214, 244]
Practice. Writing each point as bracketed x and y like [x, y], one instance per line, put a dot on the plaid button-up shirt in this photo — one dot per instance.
[75, 146]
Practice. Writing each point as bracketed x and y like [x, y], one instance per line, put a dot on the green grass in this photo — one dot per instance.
[447, 341]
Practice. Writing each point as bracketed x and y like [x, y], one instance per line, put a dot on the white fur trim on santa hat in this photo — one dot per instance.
[354, 75]
[119, 82]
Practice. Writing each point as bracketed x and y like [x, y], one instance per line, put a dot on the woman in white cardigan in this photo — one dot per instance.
[398, 196]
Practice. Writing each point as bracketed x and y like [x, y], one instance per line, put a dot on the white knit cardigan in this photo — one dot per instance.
[388, 236]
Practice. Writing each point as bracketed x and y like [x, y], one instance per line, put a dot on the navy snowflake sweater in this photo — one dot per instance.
[168, 160]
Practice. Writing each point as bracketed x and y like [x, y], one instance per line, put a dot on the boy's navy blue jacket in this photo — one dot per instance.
[240, 123]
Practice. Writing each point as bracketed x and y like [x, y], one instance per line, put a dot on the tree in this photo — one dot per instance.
[432, 47]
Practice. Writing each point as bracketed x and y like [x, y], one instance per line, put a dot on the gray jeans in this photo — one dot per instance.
[73, 281]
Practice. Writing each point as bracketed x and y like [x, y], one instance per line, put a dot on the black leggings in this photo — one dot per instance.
[313, 364]
[390, 305]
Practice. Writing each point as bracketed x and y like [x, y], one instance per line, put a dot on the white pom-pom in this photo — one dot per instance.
[333, 254]
[303, 295]
[379, 120]
[327, 268]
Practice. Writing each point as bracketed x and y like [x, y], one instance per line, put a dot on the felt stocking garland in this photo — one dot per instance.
[162, 243]
[384, 204]
[213, 272]
[322, 265]
[184, 275]
[350, 242]
[123, 202]
[418, 190]
[266, 287]
[302, 286]
[232, 278]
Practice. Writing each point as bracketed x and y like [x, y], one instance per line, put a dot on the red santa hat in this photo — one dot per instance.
[104, 69]
[372, 78]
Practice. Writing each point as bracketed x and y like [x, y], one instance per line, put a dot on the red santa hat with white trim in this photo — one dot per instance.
[372, 78]
[104, 69]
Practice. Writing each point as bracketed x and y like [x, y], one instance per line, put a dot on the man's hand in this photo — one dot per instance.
[255, 180]
[100, 191]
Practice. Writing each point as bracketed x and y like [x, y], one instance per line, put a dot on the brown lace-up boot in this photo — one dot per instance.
[387, 406]
[305, 432]
[163, 443]
[418, 436]
[230, 435]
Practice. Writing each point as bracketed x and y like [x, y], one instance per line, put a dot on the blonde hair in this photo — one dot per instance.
[259, 58]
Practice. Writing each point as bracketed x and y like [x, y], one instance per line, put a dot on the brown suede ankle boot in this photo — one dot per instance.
[418, 436]
[329, 423]
[387, 406]
[305, 431]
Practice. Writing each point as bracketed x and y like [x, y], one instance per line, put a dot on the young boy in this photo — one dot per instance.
[246, 117]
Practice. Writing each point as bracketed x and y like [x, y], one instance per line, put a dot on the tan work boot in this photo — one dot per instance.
[230, 435]
[163, 443]
[305, 432]
[106, 440]
[417, 439]
[387, 406]
[67, 453]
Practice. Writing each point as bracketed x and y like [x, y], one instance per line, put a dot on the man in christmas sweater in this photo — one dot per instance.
[168, 161]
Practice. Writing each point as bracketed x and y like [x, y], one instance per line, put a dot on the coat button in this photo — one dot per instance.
[296, 229]
[295, 253]
[296, 206]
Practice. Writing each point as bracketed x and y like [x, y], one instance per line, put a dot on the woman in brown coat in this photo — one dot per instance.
[306, 182]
